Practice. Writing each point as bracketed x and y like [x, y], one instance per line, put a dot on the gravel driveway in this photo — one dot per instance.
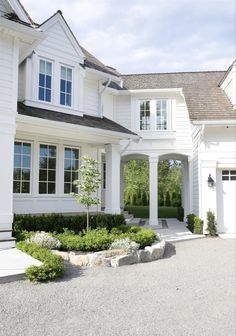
[189, 292]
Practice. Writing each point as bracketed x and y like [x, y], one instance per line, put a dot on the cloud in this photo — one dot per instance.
[152, 35]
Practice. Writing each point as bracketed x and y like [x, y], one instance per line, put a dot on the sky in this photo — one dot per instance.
[142, 36]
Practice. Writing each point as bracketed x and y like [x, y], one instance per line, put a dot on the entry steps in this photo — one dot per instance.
[130, 220]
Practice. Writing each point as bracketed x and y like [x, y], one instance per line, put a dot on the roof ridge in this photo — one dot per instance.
[175, 72]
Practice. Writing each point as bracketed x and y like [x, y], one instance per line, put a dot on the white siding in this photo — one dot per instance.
[4, 7]
[182, 127]
[123, 111]
[90, 97]
[21, 82]
[108, 106]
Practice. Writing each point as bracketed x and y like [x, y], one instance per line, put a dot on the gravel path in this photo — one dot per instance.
[189, 292]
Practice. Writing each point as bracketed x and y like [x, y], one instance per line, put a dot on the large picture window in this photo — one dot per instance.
[47, 169]
[45, 81]
[66, 86]
[22, 168]
[145, 115]
[71, 166]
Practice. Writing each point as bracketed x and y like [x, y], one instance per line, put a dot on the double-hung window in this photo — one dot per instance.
[71, 166]
[45, 81]
[66, 86]
[161, 114]
[47, 169]
[22, 168]
[145, 115]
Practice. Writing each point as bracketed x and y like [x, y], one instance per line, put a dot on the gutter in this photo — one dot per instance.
[129, 143]
[215, 122]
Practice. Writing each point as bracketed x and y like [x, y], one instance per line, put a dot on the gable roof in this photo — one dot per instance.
[204, 98]
[86, 120]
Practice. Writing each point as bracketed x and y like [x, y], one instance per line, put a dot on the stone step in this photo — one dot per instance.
[134, 221]
[7, 243]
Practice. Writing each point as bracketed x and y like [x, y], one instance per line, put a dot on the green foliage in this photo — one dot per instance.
[190, 222]
[23, 224]
[211, 223]
[168, 203]
[143, 211]
[88, 183]
[101, 239]
[52, 267]
[198, 225]
[180, 214]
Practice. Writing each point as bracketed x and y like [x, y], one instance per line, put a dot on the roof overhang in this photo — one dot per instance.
[215, 122]
[101, 74]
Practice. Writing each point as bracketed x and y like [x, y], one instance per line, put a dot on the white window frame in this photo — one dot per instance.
[52, 81]
[31, 169]
[56, 170]
[71, 147]
[72, 85]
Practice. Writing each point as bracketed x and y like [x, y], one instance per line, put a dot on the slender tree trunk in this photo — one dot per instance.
[87, 218]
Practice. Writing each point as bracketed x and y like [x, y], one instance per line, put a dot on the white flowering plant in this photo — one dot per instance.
[125, 244]
[44, 239]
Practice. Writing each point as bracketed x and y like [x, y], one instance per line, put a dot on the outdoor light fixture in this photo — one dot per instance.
[210, 181]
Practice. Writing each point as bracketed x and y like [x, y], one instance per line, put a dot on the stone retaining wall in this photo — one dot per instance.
[114, 258]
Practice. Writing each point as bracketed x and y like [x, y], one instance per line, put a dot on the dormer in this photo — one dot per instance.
[53, 74]
[228, 84]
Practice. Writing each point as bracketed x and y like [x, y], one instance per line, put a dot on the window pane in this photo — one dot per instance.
[74, 176]
[63, 72]
[233, 178]
[63, 85]
[68, 100]
[67, 164]
[42, 187]
[16, 187]
[42, 175]
[68, 153]
[17, 174]
[233, 172]
[225, 172]
[67, 188]
[52, 163]
[75, 153]
[25, 174]
[67, 176]
[17, 148]
[41, 80]
[26, 161]
[51, 188]
[48, 82]
[25, 188]
[17, 160]
[42, 66]
[225, 178]
[52, 175]
[62, 99]
[163, 104]
[26, 149]
[52, 151]
[48, 95]
[69, 74]
[68, 89]
[43, 150]
[48, 68]
[74, 164]
[43, 163]
[41, 93]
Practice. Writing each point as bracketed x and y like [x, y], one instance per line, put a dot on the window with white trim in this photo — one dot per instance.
[145, 115]
[228, 175]
[45, 81]
[22, 168]
[161, 114]
[71, 166]
[66, 86]
[47, 169]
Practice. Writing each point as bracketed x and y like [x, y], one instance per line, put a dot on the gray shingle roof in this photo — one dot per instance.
[86, 120]
[204, 98]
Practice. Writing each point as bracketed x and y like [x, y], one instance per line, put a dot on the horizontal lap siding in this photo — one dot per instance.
[7, 75]
[123, 111]
[90, 97]
[183, 127]
[4, 8]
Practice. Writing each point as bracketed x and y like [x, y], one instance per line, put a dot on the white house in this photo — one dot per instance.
[58, 102]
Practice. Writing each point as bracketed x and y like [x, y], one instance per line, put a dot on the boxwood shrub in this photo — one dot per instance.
[57, 223]
[52, 267]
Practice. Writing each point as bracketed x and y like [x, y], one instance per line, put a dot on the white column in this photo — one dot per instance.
[122, 185]
[185, 188]
[153, 190]
[112, 179]
[190, 184]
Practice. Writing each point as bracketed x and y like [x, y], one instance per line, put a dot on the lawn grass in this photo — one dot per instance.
[140, 211]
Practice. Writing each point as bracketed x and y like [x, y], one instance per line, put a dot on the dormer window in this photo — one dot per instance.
[161, 114]
[45, 81]
[155, 115]
[66, 86]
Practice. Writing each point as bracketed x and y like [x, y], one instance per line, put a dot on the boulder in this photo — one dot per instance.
[144, 256]
[63, 254]
[111, 253]
[79, 259]
[123, 260]
[156, 250]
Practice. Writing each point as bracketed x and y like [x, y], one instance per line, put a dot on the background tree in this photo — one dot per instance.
[88, 183]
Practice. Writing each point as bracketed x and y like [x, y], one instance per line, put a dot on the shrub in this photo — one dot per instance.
[180, 214]
[190, 222]
[125, 244]
[57, 223]
[43, 239]
[101, 239]
[211, 223]
[198, 225]
[51, 268]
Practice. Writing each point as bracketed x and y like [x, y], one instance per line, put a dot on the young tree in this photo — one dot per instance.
[88, 183]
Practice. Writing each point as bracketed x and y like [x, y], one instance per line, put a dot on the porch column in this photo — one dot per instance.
[112, 179]
[122, 185]
[7, 133]
[153, 190]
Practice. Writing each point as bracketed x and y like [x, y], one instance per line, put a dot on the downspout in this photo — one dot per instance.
[100, 112]
[128, 144]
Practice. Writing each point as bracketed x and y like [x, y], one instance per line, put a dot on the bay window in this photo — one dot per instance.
[155, 115]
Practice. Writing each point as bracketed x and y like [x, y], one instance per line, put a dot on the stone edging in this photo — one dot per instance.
[114, 258]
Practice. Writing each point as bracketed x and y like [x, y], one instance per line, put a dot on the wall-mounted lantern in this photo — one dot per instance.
[210, 181]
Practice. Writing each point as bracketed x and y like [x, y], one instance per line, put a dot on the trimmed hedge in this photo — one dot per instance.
[194, 224]
[101, 239]
[56, 222]
[52, 267]
[180, 214]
